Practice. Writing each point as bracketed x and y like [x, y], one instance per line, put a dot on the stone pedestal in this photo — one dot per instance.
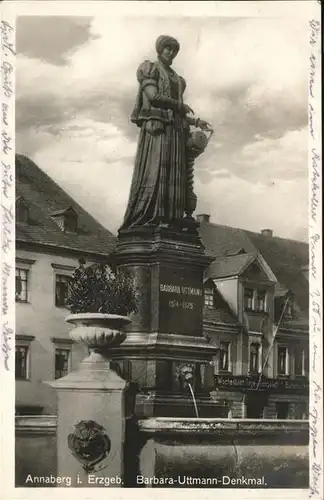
[166, 332]
[91, 424]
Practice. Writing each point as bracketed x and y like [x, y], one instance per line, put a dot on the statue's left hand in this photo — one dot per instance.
[203, 125]
[187, 109]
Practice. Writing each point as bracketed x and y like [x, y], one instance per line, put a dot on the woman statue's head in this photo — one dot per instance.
[167, 48]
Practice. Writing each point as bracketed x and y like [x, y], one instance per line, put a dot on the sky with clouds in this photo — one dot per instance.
[76, 85]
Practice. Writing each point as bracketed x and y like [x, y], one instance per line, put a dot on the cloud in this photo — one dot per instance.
[239, 203]
[285, 158]
[98, 178]
[51, 45]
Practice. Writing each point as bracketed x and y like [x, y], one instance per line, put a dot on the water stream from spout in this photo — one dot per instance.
[194, 399]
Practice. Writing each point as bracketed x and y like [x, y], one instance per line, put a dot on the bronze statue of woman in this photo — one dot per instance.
[159, 191]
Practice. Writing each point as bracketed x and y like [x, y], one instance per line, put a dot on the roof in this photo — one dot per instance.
[286, 258]
[230, 266]
[63, 212]
[221, 240]
[221, 312]
[44, 198]
[280, 291]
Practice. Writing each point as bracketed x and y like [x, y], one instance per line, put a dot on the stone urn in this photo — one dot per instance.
[98, 331]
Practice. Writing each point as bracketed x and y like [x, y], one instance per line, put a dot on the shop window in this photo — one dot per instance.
[255, 405]
[301, 411]
[282, 410]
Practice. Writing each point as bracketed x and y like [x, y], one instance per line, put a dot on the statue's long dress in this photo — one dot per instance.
[159, 185]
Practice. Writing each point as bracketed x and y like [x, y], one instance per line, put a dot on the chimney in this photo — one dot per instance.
[203, 217]
[267, 232]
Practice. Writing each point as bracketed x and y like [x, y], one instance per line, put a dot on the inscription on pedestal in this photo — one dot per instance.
[183, 293]
[181, 302]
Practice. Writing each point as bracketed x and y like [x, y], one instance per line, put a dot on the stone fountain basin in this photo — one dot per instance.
[222, 453]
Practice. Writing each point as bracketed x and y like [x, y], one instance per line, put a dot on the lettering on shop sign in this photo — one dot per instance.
[268, 384]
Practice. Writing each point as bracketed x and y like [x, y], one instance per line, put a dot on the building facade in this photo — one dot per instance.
[257, 314]
[52, 234]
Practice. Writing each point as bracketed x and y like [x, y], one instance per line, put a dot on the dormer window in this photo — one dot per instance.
[232, 253]
[248, 299]
[305, 271]
[289, 308]
[286, 307]
[260, 300]
[254, 299]
[209, 298]
[67, 220]
[22, 213]
[284, 304]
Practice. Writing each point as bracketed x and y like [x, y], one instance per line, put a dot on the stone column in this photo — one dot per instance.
[93, 406]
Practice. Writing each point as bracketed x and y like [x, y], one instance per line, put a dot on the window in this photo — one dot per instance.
[289, 308]
[61, 290]
[260, 300]
[282, 409]
[67, 219]
[70, 222]
[254, 358]
[21, 285]
[306, 363]
[21, 210]
[282, 361]
[300, 361]
[224, 356]
[209, 298]
[62, 362]
[254, 299]
[248, 298]
[21, 362]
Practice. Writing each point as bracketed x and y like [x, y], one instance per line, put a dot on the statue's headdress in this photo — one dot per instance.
[165, 40]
